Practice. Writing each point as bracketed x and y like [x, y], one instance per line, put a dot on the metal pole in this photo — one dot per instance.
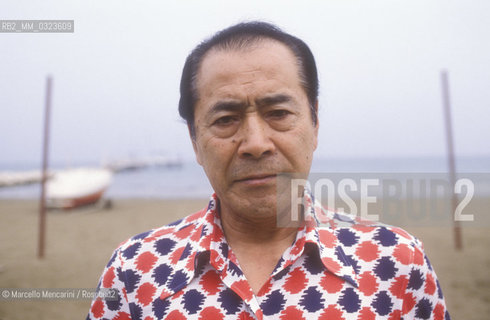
[458, 243]
[42, 200]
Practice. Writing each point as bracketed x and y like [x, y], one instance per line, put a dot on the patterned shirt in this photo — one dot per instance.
[344, 269]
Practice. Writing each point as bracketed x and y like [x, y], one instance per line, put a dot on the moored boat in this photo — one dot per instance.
[73, 188]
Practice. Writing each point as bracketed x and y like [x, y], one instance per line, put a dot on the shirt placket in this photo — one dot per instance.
[222, 264]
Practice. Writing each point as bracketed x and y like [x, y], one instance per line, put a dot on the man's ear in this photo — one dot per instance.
[317, 124]
[194, 143]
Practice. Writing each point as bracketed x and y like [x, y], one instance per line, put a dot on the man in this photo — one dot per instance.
[249, 96]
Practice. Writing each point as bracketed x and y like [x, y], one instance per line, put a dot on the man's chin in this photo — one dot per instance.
[256, 203]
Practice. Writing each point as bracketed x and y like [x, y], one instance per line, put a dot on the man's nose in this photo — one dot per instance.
[255, 139]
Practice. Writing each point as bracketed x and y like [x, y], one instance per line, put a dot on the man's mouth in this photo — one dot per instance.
[257, 179]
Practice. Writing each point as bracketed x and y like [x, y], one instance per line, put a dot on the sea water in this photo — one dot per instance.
[190, 181]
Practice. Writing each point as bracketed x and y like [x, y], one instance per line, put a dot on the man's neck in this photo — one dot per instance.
[257, 242]
[242, 228]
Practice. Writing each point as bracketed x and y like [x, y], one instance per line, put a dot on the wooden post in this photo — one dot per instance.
[42, 200]
[458, 243]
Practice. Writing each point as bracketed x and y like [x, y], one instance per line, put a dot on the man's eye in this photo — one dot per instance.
[225, 121]
[279, 114]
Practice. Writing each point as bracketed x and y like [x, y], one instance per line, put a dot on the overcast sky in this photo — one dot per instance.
[116, 77]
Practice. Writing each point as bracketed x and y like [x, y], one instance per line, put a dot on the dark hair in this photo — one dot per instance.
[240, 36]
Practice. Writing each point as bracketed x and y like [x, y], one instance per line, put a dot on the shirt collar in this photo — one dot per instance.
[330, 249]
[207, 241]
[323, 238]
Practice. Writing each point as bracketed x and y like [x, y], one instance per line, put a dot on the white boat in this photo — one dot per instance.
[77, 187]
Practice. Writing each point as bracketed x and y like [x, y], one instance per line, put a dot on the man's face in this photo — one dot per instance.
[252, 122]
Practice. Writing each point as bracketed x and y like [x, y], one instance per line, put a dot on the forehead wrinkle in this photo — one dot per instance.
[243, 78]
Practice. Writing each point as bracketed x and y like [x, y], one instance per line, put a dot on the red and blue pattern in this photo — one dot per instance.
[348, 269]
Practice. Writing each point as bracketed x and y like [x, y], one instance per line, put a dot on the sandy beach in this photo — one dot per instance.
[79, 244]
